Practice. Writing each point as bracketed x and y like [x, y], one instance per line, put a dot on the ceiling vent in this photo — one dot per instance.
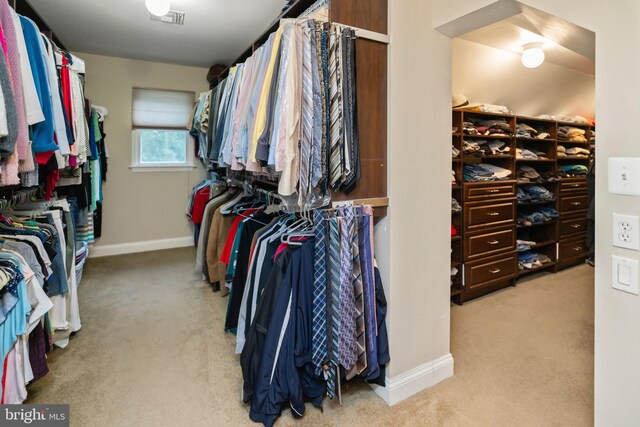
[173, 17]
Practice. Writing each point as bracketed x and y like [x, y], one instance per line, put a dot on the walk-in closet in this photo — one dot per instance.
[318, 212]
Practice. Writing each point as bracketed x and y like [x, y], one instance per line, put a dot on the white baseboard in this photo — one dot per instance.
[136, 247]
[414, 381]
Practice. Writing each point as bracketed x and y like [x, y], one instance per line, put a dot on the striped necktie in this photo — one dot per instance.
[336, 131]
[358, 288]
[333, 314]
[307, 115]
[319, 325]
[348, 345]
[326, 108]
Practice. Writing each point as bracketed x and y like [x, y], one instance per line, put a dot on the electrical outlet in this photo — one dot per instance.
[626, 231]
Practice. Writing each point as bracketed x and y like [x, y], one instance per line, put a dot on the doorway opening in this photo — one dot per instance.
[522, 245]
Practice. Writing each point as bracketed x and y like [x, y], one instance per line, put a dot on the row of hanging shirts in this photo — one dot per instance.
[289, 109]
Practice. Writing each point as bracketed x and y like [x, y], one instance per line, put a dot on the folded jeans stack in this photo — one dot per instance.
[523, 130]
[525, 245]
[535, 194]
[524, 153]
[485, 172]
[530, 260]
[540, 216]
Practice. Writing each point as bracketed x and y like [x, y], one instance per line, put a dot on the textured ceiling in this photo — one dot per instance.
[214, 31]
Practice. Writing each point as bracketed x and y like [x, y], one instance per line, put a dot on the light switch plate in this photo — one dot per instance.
[624, 175]
[624, 274]
[626, 231]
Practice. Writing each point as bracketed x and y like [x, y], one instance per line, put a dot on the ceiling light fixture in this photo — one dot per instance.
[158, 7]
[532, 55]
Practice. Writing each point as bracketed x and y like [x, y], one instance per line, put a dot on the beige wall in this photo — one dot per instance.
[417, 231]
[419, 118]
[139, 206]
[494, 76]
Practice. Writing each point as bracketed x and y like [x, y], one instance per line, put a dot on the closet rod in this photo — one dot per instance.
[376, 202]
[369, 35]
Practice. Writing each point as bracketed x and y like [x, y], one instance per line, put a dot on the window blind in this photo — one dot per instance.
[162, 109]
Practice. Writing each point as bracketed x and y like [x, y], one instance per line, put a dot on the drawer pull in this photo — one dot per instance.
[576, 203]
[576, 226]
[493, 242]
[493, 191]
[577, 248]
[493, 213]
[576, 185]
[495, 271]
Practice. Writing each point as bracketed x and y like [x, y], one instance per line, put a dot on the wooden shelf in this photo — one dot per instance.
[547, 234]
[573, 142]
[471, 112]
[544, 244]
[456, 238]
[534, 270]
[573, 178]
[455, 264]
[456, 187]
[537, 203]
[524, 227]
[575, 125]
[527, 139]
[537, 183]
[455, 159]
[488, 136]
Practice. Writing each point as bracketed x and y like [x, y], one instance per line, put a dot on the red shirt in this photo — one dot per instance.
[226, 252]
[199, 202]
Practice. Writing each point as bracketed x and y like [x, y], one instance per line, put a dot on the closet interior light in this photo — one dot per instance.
[158, 7]
[532, 55]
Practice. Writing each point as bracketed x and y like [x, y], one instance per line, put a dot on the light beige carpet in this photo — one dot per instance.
[152, 352]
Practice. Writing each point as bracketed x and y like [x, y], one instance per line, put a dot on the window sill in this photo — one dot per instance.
[158, 168]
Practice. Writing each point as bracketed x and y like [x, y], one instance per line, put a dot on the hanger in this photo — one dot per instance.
[246, 191]
[303, 228]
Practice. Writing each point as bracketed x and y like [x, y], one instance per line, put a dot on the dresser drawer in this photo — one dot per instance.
[490, 270]
[573, 247]
[574, 204]
[490, 192]
[481, 245]
[493, 215]
[572, 187]
[570, 226]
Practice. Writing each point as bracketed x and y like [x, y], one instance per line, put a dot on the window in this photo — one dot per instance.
[161, 140]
